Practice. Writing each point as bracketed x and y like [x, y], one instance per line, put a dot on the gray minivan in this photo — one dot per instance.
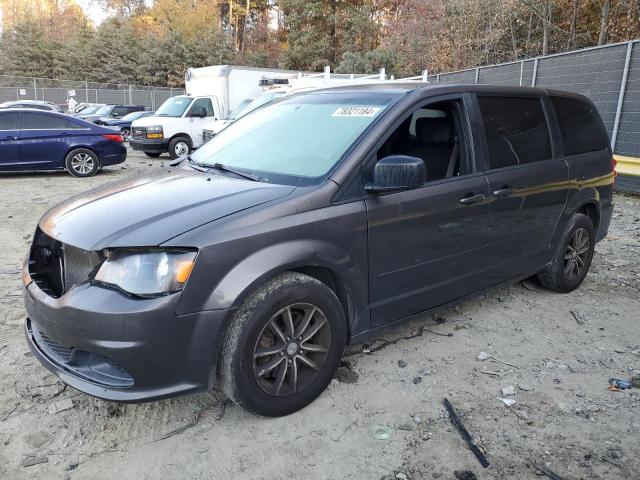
[308, 224]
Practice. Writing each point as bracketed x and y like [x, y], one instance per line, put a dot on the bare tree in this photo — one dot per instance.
[604, 21]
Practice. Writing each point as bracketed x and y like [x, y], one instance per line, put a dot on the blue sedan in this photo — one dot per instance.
[124, 123]
[38, 140]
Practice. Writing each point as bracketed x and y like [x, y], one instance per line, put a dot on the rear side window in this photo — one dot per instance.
[36, 121]
[516, 130]
[9, 121]
[580, 126]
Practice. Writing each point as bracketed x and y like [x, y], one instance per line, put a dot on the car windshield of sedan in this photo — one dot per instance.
[130, 117]
[297, 140]
[106, 110]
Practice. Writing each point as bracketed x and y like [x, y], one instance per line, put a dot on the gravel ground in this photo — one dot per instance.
[557, 351]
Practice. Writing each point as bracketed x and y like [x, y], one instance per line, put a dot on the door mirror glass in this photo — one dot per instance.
[398, 172]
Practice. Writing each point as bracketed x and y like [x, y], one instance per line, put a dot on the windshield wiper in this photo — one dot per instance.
[240, 173]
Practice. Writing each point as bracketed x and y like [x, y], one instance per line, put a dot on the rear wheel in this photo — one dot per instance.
[82, 162]
[152, 154]
[572, 258]
[179, 147]
[284, 345]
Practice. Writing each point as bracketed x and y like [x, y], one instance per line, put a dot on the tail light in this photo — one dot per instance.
[114, 137]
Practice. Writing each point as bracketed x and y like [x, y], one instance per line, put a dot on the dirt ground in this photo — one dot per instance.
[558, 351]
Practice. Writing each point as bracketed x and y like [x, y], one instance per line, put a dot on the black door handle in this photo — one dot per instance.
[503, 192]
[471, 198]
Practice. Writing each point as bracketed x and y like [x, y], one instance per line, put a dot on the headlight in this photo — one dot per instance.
[146, 273]
[155, 131]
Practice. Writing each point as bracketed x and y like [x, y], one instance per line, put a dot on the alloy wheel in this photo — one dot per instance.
[575, 256]
[82, 163]
[291, 349]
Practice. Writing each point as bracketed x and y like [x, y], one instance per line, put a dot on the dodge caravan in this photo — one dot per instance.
[308, 224]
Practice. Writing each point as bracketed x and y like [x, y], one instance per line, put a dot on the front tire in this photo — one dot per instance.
[179, 147]
[82, 162]
[573, 256]
[283, 346]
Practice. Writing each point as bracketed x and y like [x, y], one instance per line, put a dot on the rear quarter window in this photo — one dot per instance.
[580, 125]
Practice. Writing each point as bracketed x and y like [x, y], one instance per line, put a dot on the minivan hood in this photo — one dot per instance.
[149, 210]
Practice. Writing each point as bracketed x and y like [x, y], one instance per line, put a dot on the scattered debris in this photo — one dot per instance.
[522, 415]
[417, 380]
[465, 434]
[30, 461]
[507, 401]
[508, 391]
[347, 375]
[61, 406]
[549, 473]
[525, 387]
[464, 475]
[620, 383]
[402, 363]
[635, 381]
[577, 317]
[482, 356]
[381, 432]
[406, 426]
[401, 476]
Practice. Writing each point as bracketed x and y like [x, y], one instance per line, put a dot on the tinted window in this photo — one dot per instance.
[35, 121]
[580, 126]
[516, 130]
[9, 121]
[202, 103]
[119, 111]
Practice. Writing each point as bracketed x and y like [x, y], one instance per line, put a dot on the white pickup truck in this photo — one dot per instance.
[212, 92]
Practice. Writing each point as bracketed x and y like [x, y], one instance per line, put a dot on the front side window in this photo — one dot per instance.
[580, 126]
[174, 107]
[297, 140]
[437, 134]
[9, 121]
[516, 130]
[201, 105]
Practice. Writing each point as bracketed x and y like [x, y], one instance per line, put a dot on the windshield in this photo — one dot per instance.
[297, 140]
[173, 107]
[88, 110]
[132, 116]
[252, 105]
[106, 110]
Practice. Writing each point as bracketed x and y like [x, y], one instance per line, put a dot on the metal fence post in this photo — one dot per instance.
[623, 87]
[130, 95]
[35, 89]
[521, 71]
[438, 78]
[86, 91]
[535, 72]
[477, 74]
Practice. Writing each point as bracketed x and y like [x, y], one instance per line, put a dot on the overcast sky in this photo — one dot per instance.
[95, 13]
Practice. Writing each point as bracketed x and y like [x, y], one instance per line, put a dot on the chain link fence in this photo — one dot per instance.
[61, 91]
[608, 75]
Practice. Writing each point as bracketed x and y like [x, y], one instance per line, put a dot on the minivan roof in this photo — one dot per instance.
[406, 87]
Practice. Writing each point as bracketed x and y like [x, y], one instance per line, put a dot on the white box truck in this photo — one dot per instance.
[211, 93]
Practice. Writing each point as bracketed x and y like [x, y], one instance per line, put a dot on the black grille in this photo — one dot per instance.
[56, 267]
[53, 349]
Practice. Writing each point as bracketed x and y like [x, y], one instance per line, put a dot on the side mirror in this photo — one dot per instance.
[397, 172]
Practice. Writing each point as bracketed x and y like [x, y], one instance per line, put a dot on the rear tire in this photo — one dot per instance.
[572, 258]
[283, 346]
[152, 154]
[82, 162]
[179, 147]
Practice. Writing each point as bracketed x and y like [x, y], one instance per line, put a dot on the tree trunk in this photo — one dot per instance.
[571, 43]
[231, 22]
[546, 27]
[244, 26]
[604, 22]
[332, 33]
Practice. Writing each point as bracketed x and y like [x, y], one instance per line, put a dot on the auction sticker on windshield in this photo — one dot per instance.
[357, 111]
